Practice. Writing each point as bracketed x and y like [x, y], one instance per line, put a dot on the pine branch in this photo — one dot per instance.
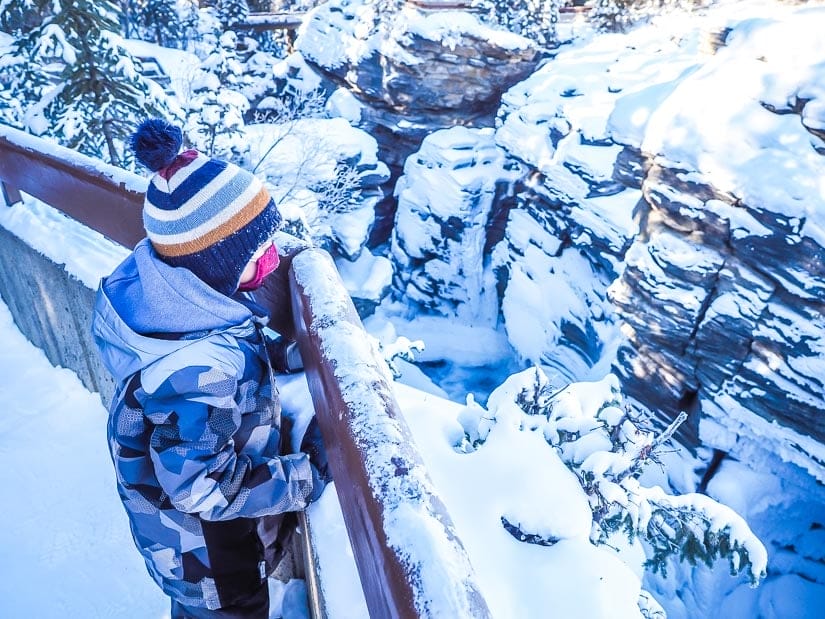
[647, 452]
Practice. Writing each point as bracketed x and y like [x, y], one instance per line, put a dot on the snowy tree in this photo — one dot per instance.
[188, 14]
[277, 43]
[215, 113]
[383, 12]
[207, 33]
[231, 12]
[160, 22]
[605, 445]
[533, 19]
[313, 182]
[613, 15]
[262, 83]
[94, 95]
[619, 15]
[386, 6]
[27, 70]
[24, 73]
[22, 16]
[317, 180]
[127, 14]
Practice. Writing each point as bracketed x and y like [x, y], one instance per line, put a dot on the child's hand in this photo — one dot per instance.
[313, 445]
[284, 355]
[318, 484]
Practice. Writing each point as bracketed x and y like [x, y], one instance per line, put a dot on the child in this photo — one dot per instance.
[195, 424]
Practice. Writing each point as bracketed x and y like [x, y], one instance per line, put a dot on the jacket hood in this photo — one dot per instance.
[147, 309]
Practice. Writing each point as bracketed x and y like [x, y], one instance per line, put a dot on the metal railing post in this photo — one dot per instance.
[11, 195]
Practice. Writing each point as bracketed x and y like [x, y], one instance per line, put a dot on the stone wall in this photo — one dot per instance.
[53, 310]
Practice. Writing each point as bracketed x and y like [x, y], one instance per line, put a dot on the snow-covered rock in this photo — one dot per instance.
[445, 199]
[747, 338]
[715, 270]
[418, 67]
[325, 176]
[412, 72]
[720, 294]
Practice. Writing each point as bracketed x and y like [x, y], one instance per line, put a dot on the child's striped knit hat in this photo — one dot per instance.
[206, 215]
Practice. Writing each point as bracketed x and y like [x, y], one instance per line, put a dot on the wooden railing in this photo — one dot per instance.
[383, 487]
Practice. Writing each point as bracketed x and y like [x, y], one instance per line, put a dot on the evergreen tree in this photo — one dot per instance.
[128, 11]
[383, 15]
[18, 17]
[619, 15]
[386, 6]
[277, 43]
[188, 15]
[98, 96]
[613, 15]
[533, 19]
[231, 12]
[538, 22]
[215, 113]
[26, 69]
[208, 30]
[261, 82]
[161, 23]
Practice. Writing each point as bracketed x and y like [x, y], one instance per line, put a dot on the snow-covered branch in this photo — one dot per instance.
[604, 444]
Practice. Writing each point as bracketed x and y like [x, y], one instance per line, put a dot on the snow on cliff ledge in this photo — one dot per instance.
[340, 32]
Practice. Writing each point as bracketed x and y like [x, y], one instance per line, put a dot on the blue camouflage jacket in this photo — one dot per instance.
[195, 430]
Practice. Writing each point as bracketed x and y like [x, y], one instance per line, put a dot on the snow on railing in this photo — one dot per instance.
[410, 561]
[422, 568]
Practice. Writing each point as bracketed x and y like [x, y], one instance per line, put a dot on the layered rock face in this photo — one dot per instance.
[718, 290]
[414, 72]
[566, 232]
[723, 304]
[716, 287]
[445, 200]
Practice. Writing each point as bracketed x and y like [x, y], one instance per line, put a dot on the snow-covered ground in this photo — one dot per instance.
[64, 534]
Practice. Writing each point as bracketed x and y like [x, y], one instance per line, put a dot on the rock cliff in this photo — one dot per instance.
[717, 286]
[695, 191]
[415, 69]
[445, 200]
[648, 204]
[413, 72]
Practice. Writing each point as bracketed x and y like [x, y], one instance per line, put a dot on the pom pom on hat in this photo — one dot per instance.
[156, 143]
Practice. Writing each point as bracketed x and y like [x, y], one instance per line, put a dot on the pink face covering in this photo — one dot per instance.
[264, 265]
